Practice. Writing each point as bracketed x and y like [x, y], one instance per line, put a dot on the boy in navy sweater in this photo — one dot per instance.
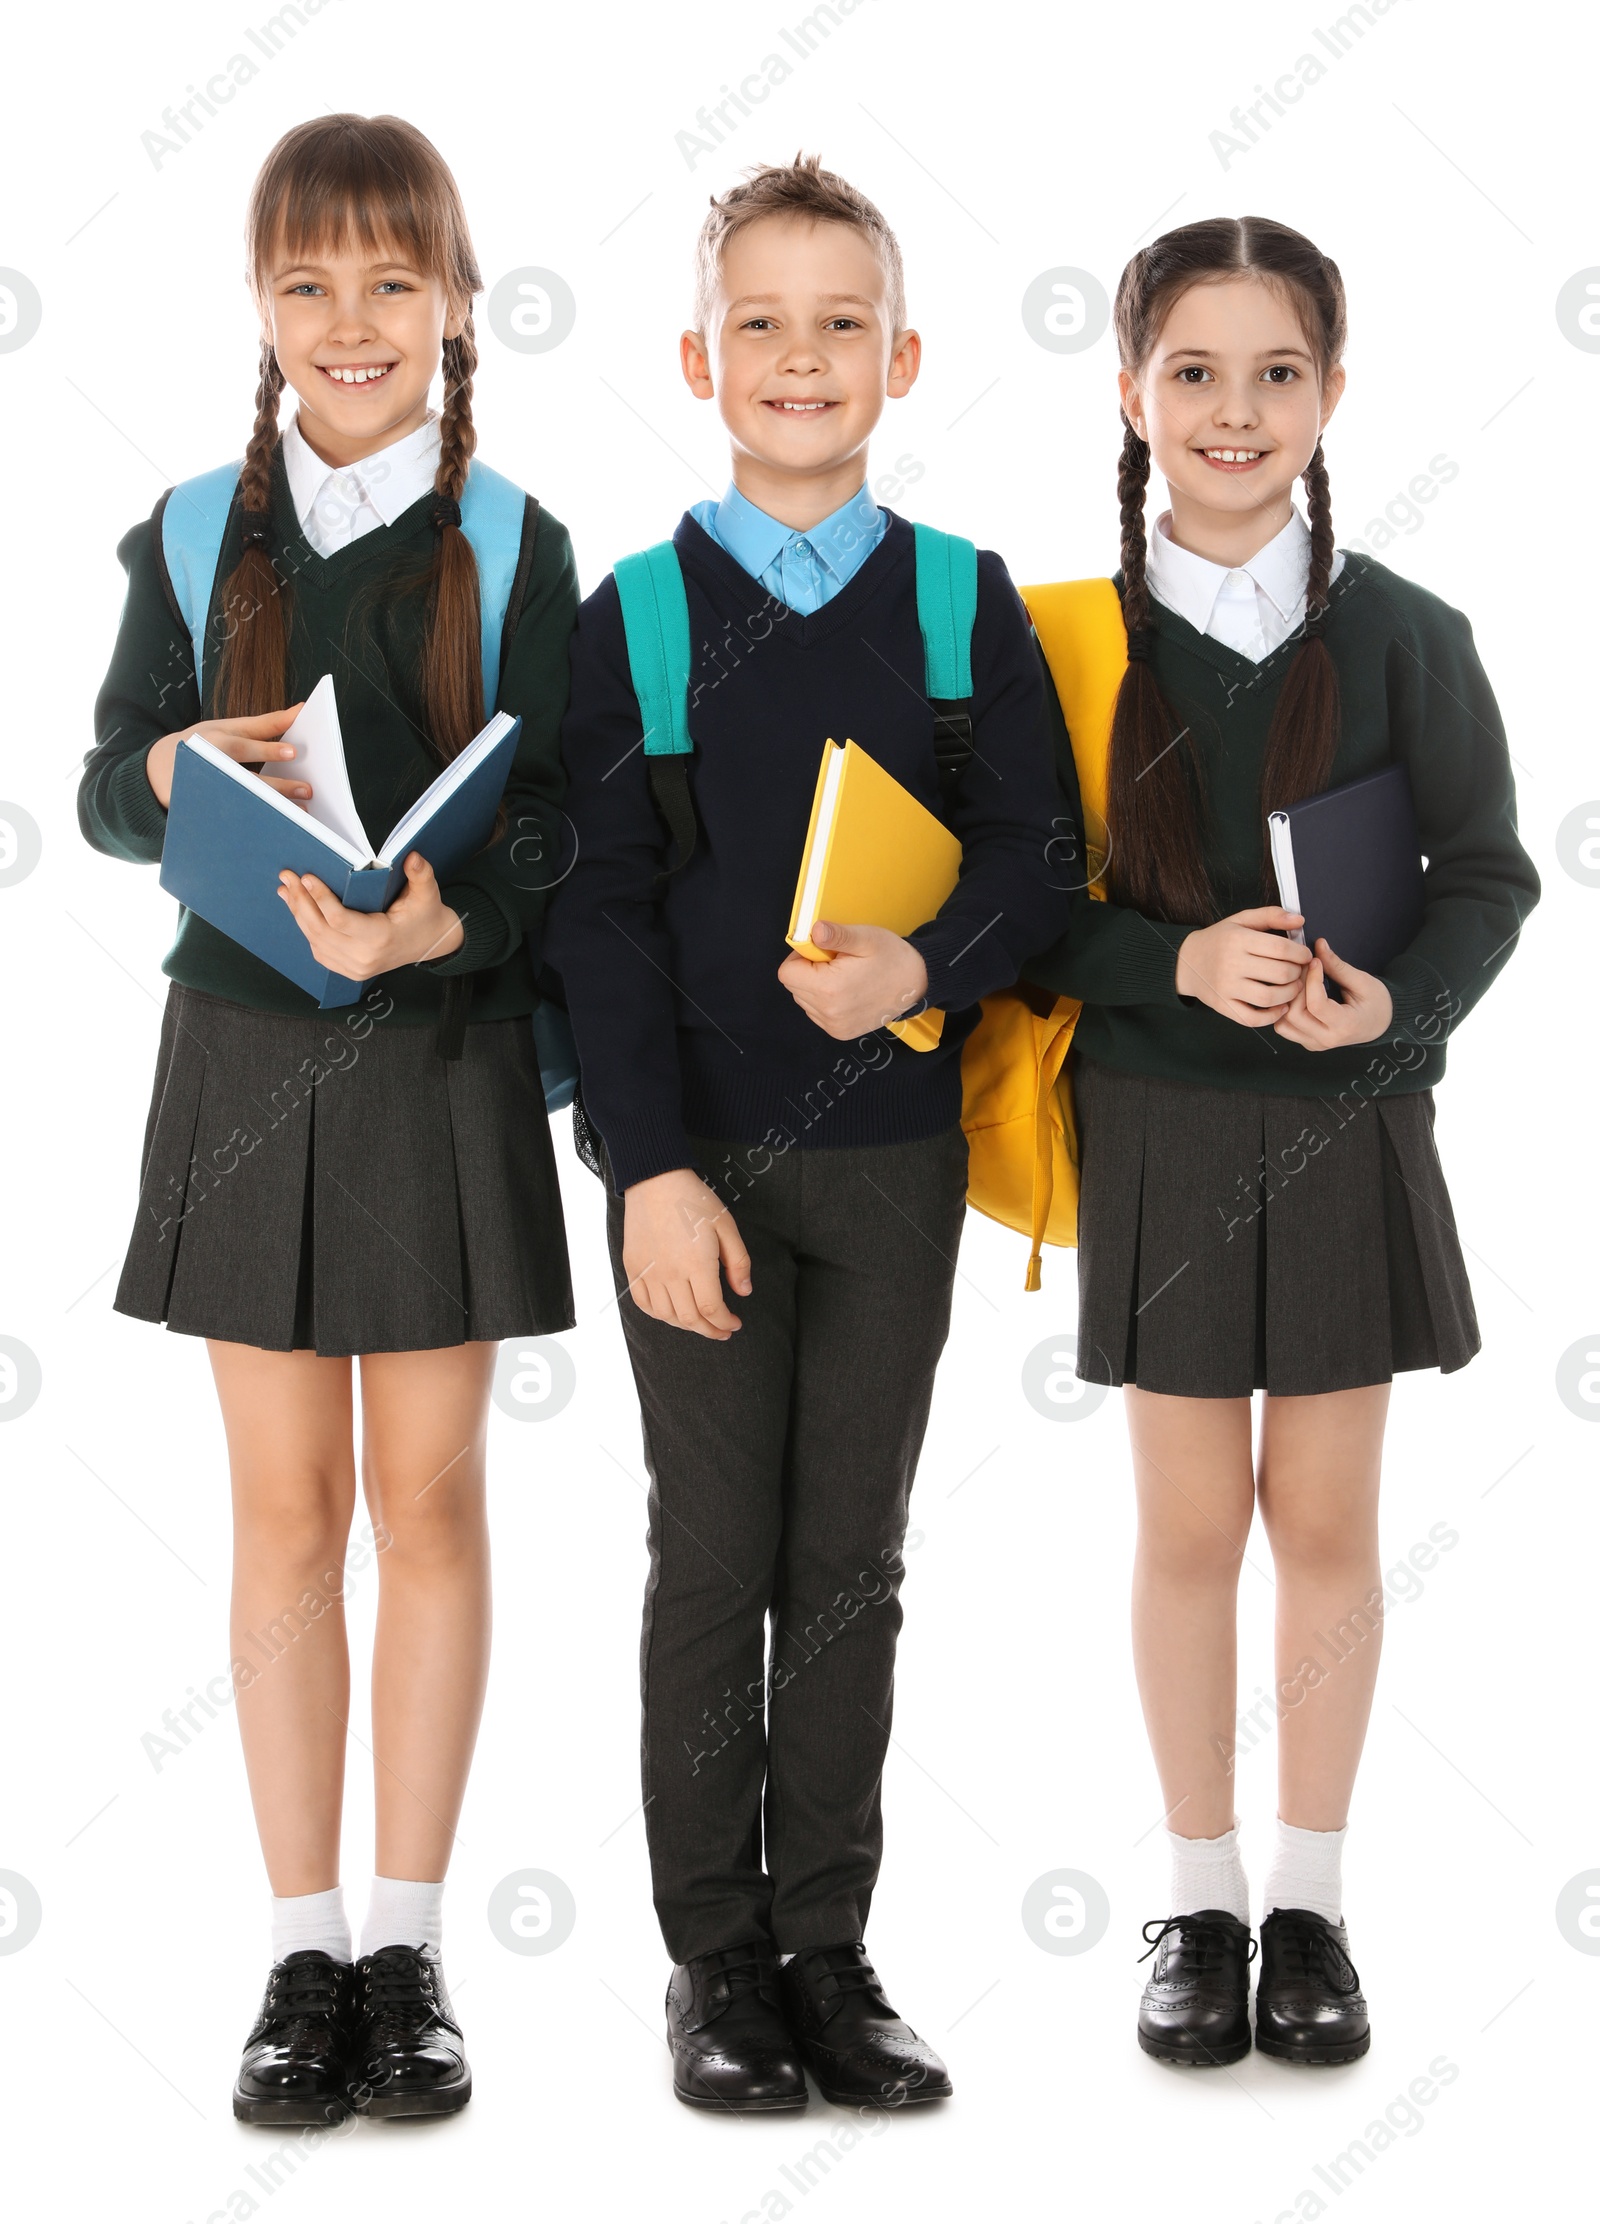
[787, 1179]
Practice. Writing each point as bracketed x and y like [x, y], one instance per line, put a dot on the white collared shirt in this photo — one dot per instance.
[336, 504]
[1252, 608]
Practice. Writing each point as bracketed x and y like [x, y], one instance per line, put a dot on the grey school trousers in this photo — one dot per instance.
[780, 1467]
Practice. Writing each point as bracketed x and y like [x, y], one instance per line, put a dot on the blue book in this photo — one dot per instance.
[229, 836]
[1350, 861]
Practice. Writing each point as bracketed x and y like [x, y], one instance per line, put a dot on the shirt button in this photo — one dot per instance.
[802, 548]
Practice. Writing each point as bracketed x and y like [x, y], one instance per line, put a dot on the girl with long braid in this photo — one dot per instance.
[373, 1183]
[1262, 1203]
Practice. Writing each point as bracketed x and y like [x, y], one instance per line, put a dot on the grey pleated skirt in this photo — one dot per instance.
[330, 1184]
[1231, 1242]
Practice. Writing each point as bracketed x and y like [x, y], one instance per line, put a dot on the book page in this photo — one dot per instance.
[811, 889]
[319, 758]
[355, 854]
[405, 833]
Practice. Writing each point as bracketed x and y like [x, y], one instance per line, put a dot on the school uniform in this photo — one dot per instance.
[1256, 1215]
[781, 1461]
[326, 1180]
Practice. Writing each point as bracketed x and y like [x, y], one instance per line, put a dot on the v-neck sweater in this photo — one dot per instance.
[683, 1027]
[1411, 691]
[359, 614]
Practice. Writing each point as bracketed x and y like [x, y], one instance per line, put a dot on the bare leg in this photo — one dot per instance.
[1196, 1492]
[1320, 1462]
[290, 1450]
[424, 1422]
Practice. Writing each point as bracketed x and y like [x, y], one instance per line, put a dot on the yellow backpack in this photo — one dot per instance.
[1022, 1137]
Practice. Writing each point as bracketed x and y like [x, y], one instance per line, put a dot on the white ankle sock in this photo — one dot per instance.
[311, 1920]
[401, 1913]
[1207, 1872]
[1305, 1871]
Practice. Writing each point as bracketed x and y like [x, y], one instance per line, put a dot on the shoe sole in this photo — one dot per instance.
[1196, 2057]
[908, 2099]
[396, 2107]
[1327, 2058]
[743, 2107]
[289, 2112]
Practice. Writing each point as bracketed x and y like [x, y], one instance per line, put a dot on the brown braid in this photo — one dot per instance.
[251, 674]
[1154, 800]
[452, 665]
[1304, 736]
[1154, 836]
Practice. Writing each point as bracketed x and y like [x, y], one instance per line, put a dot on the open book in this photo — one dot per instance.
[229, 835]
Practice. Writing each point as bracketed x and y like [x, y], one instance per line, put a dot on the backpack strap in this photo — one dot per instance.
[655, 619]
[494, 517]
[947, 607]
[1085, 642]
[194, 518]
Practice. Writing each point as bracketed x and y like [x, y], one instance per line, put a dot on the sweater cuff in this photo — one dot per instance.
[1424, 1009]
[642, 1145]
[962, 966]
[483, 932]
[134, 807]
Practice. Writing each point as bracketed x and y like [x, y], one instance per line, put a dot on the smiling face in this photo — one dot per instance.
[800, 353]
[358, 332]
[1232, 402]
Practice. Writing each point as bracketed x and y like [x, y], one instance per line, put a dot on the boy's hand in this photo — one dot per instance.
[1316, 1021]
[872, 977]
[677, 1242]
[1245, 967]
[246, 740]
[417, 926]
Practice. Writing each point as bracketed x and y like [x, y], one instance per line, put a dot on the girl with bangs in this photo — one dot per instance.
[375, 1183]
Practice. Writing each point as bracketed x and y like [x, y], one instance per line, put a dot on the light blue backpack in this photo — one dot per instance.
[500, 522]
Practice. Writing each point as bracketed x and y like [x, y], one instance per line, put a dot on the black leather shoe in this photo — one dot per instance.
[408, 2058]
[858, 2049]
[1309, 2003]
[730, 2045]
[297, 2055]
[1196, 2006]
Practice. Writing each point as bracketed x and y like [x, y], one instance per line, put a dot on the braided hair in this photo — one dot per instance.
[378, 180]
[1154, 803]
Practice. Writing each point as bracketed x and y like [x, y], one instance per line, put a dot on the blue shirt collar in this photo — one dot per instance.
[840, 542]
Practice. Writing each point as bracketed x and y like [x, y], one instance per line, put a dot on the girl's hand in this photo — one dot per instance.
[1244, 967]
[417, 926]
[678, 1241]
[1317, 1022]
[246, 740]
[873, 977]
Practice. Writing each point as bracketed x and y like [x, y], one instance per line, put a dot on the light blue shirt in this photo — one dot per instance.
[804, 570]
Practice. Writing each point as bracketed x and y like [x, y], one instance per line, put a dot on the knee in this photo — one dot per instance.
[427, 1528]
[299, 1519]
[1311, 1541]
[1202, 1557]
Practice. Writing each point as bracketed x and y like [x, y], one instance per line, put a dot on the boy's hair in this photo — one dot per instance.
[798, 188]
[374, 181]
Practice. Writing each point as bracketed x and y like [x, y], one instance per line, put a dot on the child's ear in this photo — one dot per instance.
[1332, 388]
[1132, 401]
[696, 366]
[904, 364]
[455, 319]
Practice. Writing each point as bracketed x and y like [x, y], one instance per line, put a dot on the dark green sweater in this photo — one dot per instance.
[359, 615]
[1411, 691]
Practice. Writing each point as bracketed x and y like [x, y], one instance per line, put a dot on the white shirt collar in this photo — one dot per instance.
[1191, 584]
[388, 481]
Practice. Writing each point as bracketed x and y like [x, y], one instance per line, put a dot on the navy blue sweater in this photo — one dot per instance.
[682, 1025]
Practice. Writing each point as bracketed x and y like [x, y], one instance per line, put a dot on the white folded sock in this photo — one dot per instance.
[402, 1913]
[308, 1921]
[1305, 1871]
[1207, 1872]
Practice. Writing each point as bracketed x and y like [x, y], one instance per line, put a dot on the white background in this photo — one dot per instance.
[1446, 162]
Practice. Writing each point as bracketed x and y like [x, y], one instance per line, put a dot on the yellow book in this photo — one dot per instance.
[874, 857]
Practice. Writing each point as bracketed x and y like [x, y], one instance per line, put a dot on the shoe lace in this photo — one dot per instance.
[302, 1993]
[1311, 1951]
[739, 1970]
[849, 1968]
[1202, 1942]
[401, 1991]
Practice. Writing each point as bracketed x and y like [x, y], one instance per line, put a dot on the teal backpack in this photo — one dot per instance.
[500, 522]
[655, 618]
